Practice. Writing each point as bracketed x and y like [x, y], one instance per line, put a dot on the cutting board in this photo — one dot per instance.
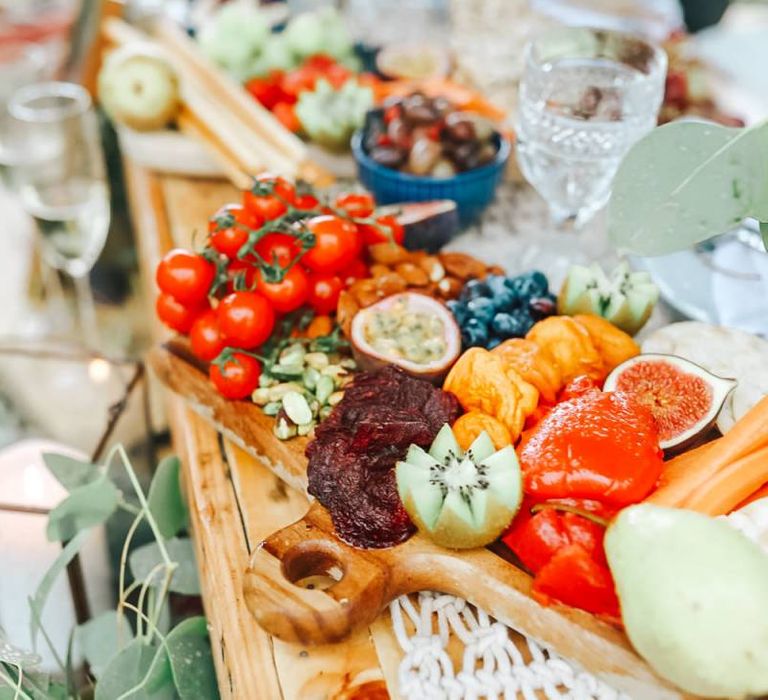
[305, 585]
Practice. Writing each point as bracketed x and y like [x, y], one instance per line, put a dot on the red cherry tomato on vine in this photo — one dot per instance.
[246, 319]
[306, 201]
[186, 276]
[269, 196]
[244, 271]
[358, 270]
[285, 113]
[387, 229]
[228, 228]
[236, 378]
[324, 290]
[204, 336]
[278, 248]
[358, 205]
[176, 315]
[288, 294]
[337, 244]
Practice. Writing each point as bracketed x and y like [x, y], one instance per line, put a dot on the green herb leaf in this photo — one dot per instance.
[70, 472]
[37, 602]
[102, 637]
[138, 672]
[16, 656]
[686, 182]
[85, 507]
[147, 557]
[764, 233]
[165, 500]
[191, 659]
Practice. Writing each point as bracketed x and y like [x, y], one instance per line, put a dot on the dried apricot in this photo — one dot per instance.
[569, 346]
[613, 345]
[472, 423]
[532, 364]
[319, 326]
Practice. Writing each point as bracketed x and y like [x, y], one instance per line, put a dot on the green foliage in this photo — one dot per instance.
[686, 182]
[154, 662]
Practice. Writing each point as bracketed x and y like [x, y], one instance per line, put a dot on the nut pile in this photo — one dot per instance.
[302, 388]
[395, 269]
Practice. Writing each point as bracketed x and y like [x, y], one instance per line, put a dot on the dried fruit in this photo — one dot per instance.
[530, 361]
[346, 309]
[460, 499]
[569, 346]
[410, 330]
[612, 344]
[683, 397]
[352, 459]
[469, 426]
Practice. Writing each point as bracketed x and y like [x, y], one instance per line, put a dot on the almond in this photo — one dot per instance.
[412, 274]
[433, 267]
[390, 284]
[377, 270]
[449, 287]
[462, 265]
[345, 311]
[388, 253]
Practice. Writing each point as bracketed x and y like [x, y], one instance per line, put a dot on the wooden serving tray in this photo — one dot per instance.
[305, 585]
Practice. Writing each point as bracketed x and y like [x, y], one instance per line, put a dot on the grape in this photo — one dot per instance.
[541, 307]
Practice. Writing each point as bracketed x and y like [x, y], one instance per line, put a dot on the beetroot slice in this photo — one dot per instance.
[352, 458]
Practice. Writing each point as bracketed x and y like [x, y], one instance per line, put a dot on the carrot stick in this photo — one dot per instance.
[677, 466]
[718, 495]
[762, 492]
[748, 435]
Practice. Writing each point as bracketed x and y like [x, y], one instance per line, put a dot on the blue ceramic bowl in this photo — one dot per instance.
[472, 190]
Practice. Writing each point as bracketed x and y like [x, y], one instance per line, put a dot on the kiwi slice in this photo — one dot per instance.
[625, 298]
[460, 499]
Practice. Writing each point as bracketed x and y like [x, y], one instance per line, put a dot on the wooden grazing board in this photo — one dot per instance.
[373, 578]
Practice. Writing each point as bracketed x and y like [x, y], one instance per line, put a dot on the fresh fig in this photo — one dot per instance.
[683, 397]
[428, 225]
[624, 298]
[460, 499]
[410, 330]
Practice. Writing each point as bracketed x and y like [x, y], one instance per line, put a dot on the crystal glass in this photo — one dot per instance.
[61, 181]
[586, 95]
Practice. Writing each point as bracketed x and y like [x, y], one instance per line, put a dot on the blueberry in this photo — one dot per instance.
[493, 341]
[507, 325]
[474, 289]
[531, 284]
[474, 333]
[459, 311]
[541, 307]
[482, 308]
[525, 319]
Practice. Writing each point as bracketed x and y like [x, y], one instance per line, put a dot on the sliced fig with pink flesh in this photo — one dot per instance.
[413, 331]
[684, 398]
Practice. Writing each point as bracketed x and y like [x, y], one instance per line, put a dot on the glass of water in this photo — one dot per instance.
[586, 95]
[61, 181]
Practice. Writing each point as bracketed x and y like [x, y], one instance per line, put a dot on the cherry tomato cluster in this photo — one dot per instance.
[277, 251]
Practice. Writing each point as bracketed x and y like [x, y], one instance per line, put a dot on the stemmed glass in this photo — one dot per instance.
[61, 182]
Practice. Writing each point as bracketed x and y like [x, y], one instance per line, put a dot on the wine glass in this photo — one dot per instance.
[61, 182]
[586, 95]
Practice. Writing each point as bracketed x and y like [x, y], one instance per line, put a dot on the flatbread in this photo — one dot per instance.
[726, 352]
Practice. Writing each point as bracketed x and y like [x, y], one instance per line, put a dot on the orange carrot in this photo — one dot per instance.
[677, 466]
[748, 435]
[718, 495]
[762, 492]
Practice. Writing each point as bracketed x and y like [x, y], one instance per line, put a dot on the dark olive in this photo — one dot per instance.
[419, 114]
[442, 105]
[400, 133]
[467, 155]
[459, 128]
[389, 156]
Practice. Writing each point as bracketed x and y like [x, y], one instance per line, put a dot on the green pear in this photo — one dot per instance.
[694, 599]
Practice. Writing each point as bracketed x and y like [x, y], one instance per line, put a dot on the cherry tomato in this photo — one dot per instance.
[320, 61]
[337, 244]
[228, 239]
[358, 270]
[204, 336]
[268, 89]
[324, 290]
[241, 269]
[337, 75]
[306, 202]
[358, 205]
[387, 229]
[236, 378]
[285, 113]
[186, 276]
[288, 294]
[280, 248]
[300, 80]
[246, 319]
[176, 315]
[269, 197]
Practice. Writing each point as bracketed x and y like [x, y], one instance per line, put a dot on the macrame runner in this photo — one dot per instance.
[498, 662]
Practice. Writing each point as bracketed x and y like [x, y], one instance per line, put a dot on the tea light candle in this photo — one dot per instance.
[26, 554]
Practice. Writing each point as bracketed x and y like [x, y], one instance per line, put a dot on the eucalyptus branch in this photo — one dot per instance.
[124, 560]
[20, 692]
[145, 585]
[48, 641]
[161, 595]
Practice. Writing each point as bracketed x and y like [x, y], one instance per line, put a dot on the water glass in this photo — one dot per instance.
[61, 181]
[586, 95]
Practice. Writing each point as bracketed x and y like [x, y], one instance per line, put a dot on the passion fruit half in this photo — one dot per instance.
[683, 397]
[413, 331]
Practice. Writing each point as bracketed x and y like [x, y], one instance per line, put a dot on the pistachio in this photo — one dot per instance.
[272, 408]
[325, 387]
[334, 371]
[325, 411]
[311, 375]
[288, 371]
[265, 380]
[279, 390]
[335, 397]
[292, 355]
[316, 360]
[284, 429]
[305, 429]
[348, 363]
[261, 396]
[297, 408]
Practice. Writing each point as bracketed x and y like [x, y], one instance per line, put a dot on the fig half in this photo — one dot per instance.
[683, 397]
[410, 330]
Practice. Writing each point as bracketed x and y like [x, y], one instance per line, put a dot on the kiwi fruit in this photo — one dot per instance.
[460, 499]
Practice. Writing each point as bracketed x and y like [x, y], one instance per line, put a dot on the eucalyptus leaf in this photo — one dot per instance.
[189, 650]
[102, 637]
[147, 557]
[85, 507]
[37, 602]
[165, 500]
[138, 672]
[685, 182]
[15, 656]
[7, 693]
[70, 472]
